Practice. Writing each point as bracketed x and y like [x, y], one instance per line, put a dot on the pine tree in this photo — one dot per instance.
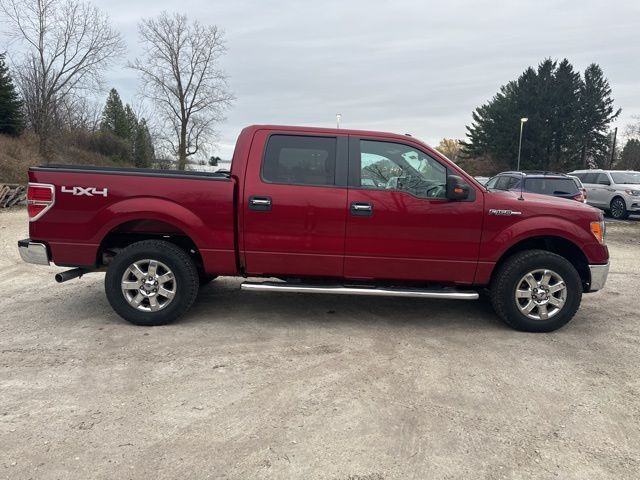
[114, 117]
[564, 121]
[11, 114]
[630, 158]
[132, 122]
[595, 115]
[143, 154]
[568, 119]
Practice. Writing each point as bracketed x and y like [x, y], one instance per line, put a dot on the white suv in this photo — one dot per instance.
[615, 191]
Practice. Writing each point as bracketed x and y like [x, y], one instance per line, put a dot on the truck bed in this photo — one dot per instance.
[94, 203]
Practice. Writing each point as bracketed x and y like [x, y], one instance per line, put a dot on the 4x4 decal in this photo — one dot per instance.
[84, 191]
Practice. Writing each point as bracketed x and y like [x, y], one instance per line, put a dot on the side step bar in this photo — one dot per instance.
[444, 293]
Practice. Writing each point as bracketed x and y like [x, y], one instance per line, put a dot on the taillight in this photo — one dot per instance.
[580, 197]
[40, 198]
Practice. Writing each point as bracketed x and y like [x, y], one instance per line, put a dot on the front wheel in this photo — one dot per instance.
[151, 282]
[536, 291]
[618, 209]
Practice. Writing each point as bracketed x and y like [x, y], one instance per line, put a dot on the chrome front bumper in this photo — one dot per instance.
[598, 276]
[33, 252]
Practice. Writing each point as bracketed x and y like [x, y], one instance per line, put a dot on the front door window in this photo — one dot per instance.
[394, 166]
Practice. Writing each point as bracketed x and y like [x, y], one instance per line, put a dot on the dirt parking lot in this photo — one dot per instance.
[257, 385]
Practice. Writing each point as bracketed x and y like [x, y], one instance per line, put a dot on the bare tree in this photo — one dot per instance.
[181, 76]
[632, 131]
[78, 112]
[68, 45]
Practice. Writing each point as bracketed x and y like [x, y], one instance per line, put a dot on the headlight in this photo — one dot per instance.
[599, 231]
[634, 193]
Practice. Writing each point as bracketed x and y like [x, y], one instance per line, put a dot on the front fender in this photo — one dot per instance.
[498, 237]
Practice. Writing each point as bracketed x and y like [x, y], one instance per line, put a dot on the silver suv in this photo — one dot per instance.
[615, 191]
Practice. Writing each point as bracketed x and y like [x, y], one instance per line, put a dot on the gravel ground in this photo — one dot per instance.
[258, 385]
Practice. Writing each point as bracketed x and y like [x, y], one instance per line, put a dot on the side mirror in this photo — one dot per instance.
[456, 188]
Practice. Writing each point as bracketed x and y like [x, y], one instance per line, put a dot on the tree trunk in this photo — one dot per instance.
[44, 133]
[182, 147]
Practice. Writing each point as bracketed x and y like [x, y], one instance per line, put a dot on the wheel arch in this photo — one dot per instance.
[551, 243]
[142, 218]
[617, 195]
[144, 228]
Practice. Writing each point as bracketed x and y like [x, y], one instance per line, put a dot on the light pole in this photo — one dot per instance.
[338, 118]
[523, 120]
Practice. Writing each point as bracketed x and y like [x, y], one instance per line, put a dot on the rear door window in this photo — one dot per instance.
[300, 160]
[589, 178]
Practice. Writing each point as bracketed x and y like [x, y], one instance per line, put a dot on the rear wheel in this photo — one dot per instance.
[618, 209]
[151, 282]
[536, 291]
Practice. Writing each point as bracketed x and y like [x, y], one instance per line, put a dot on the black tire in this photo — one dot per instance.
[178, 261]
[508, 277]
[206, 278]
[618, 209]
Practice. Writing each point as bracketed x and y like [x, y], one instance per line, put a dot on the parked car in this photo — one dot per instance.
[316, 209]
[482, 180]
[545, 183]
[617, 192]
[580, 187]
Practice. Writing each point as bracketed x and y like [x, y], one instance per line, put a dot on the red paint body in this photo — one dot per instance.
[309, 231]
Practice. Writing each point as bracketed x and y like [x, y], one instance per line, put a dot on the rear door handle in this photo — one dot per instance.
[260, 204]
[361, 209]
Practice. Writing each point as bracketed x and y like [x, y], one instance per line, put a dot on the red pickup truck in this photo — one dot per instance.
[318, 211]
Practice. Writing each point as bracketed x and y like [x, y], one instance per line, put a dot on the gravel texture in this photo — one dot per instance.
[259, 385]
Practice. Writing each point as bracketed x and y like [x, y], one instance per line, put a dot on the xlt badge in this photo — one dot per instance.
[504, 213]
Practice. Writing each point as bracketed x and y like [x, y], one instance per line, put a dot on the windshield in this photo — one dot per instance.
[626, 177]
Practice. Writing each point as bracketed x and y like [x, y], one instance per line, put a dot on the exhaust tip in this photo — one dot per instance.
[70, 274]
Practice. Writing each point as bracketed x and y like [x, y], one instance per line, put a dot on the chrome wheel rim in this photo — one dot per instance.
[541, 294]
[617, 208]
[148, 285]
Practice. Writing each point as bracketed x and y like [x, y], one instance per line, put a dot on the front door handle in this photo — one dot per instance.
[260, 204]
[361, 209]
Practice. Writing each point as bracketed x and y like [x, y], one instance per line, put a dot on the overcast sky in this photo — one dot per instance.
[414, 67]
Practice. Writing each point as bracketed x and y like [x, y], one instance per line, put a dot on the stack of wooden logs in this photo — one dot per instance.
[12, 194]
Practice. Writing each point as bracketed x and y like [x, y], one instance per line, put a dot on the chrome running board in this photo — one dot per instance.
[444, 293]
